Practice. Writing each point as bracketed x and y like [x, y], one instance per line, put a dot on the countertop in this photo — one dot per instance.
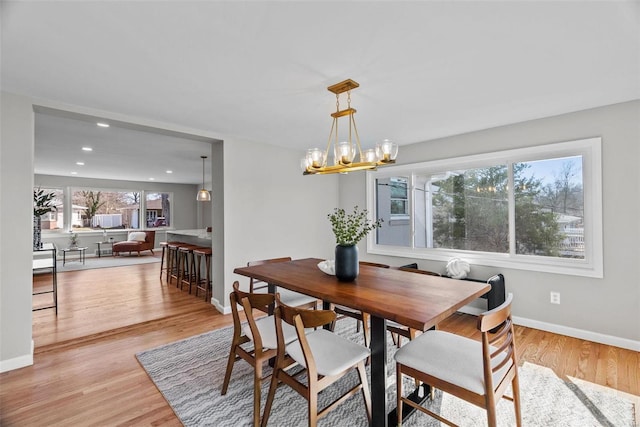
[200, 233]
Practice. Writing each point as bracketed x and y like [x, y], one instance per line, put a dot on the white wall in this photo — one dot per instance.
[16, 207]
[16, 211]
[271, 210]
[603, 310]
[262, 207]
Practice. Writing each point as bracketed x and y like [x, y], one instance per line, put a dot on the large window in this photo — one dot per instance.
[158, 209]
[53, 220]
[94, 209]
[536, 208]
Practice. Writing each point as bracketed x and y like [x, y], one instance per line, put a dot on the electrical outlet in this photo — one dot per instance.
[555, 297]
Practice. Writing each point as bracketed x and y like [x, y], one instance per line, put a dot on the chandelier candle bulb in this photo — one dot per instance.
[370, 155]
[315, 158]
[344, 153]
[387, 151]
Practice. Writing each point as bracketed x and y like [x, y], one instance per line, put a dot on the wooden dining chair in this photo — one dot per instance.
[261, 331]
[325, 357]
[478, 372]
[291, 298]
[397, 330]
[362, 318]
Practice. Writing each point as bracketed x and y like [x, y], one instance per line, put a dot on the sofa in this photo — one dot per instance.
[137, 241]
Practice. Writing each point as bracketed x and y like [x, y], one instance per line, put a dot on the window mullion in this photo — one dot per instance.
[512, 208]
[412, 214]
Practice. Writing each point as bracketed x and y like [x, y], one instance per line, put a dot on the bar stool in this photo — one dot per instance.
[173, 272]
[186, 265]
[164, 246]
[203, 284]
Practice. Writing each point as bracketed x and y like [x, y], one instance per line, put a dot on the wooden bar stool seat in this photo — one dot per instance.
[203, 281]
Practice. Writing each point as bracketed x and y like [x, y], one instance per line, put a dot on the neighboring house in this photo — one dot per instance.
[77, 215]
[154, 217]
[55, 220]
[573, 229]
[154, 212]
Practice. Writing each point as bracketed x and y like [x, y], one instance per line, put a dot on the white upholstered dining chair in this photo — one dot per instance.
[291, 298]
[478, 372]
[261, 331]
[325, 357]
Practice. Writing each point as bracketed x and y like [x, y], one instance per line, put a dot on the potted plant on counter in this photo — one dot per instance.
[42, 204]
[349, 229]
[73, 240]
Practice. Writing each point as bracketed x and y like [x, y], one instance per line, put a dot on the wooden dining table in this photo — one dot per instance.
[415, 300]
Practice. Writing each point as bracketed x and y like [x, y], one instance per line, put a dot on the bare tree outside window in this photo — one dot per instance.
[97, 209]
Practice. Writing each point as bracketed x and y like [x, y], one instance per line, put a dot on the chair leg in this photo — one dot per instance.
[413, 333]
[395, 338]
[313, 404]
[169, 265]
[399, 394]
[257, 383]
[272, 392]
[365, 329]
[162, 262]
[227, 374]
[515, 386]
[492, 416]
[366, 394]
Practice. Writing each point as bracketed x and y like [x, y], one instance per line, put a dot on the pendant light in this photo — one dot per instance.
[203, 194]
[344, 153]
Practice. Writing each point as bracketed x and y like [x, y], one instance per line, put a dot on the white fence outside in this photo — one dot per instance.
[106, 220]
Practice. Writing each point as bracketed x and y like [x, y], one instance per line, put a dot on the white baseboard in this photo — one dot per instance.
[566, 330]
[221, 308]
[17, 362]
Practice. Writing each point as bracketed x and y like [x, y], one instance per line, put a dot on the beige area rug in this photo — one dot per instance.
[189, 374]
[74, 264]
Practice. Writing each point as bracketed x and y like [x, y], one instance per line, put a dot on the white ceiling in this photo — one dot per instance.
[259, 70]
[121, 151]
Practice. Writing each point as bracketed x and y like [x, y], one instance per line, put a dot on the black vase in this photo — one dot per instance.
[346, 263]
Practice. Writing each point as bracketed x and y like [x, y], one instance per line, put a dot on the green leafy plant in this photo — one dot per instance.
[349, 229]
[42, 202]
[73, 239]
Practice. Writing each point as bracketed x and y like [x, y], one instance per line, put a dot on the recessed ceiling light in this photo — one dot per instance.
[80, 163]
[151, 179]
[103, 125]
[169, 171]
[87, 149]
[74, 173]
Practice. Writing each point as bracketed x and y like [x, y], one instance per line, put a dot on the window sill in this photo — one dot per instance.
[572, 267]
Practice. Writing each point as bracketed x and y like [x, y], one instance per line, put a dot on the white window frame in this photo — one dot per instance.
[68, 190]
[591, 151]
[144, 209]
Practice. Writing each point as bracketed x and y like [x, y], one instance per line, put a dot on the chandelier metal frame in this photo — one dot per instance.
[315, 162]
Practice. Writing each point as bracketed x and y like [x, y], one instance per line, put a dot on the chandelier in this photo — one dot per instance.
[344, 152]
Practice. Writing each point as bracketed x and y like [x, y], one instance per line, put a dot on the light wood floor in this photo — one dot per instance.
[85, 371]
